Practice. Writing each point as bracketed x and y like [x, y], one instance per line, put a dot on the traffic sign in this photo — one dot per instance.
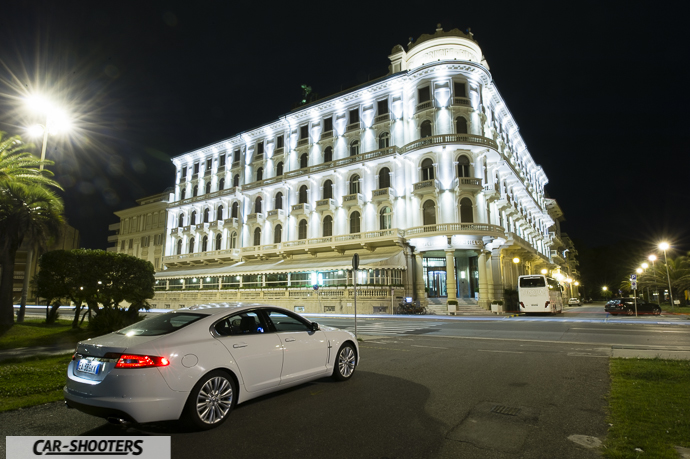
[633, 284]
[633, 277]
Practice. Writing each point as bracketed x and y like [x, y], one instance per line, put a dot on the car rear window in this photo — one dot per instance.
[161, 324]
[531, 282]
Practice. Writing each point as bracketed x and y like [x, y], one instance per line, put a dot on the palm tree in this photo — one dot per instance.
[17, 164]
[27, 212]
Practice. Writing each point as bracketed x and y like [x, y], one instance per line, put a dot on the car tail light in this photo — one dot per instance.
[140, 361]
[522, 305]
[547, 304]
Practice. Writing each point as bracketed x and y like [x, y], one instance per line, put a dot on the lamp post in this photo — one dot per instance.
[652, 258]
[664, 246]
[55, 121]
[644, 267]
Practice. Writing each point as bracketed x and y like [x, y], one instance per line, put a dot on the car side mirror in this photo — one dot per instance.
[314, 327]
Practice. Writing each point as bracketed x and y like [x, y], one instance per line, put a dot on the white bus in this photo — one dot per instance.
[538, 293]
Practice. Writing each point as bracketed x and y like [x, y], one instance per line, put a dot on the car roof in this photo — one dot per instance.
[214, 309]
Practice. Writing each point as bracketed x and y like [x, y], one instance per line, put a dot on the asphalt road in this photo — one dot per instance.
[412, 396]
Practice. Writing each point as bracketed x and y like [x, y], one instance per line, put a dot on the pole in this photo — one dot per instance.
[45, 143]
[668, 276]
[354, 283]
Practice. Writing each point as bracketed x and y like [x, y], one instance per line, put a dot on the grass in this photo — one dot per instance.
[649, 408]
[681, 309]
[35, 332]
[32, 381]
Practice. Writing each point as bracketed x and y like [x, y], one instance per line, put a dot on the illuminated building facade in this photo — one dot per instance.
[422, 172]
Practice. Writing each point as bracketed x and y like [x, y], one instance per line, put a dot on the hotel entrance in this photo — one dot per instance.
[435, 277]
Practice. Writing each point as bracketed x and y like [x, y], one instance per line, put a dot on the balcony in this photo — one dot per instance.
[382, 118]
[112, 238]
[278, 152]
[444, 139]
[183, 179]
[303, 142]
[556, 257]
[258, 159]
[300, 209]
[328, 135]
[207, 173]
[383, 194]
[352, 127]
[491, 193]
[355, 199]
[213, 225]
[468, 184]
[231, 223]
[174, 231]
[424, 106]
[257, 217]
[461, 101]
[202, 228]
[448, 229]
[426, 187]
[275, 214]
[326, 204]
[186, 229]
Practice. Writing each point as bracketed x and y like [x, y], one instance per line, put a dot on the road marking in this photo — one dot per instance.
[386, 348]
[430, 347]
[628, 330]
[501, 352]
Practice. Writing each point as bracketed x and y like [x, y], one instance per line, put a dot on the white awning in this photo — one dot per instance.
[380, 259]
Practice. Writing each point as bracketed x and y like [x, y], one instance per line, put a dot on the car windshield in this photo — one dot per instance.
[161, 324]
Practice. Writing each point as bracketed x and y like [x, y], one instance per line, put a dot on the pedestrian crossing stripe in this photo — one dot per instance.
[388, 329]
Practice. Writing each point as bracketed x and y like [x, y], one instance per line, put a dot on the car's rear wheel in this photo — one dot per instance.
[211, 400]
[657, 311]
[345, 363]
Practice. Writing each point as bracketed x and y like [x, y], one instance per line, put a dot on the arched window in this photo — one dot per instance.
[463, 166]
[302, 232]
[466, 214]
[303, 161]
[235, 210]
[279, 169]
[257, 205]
[196, 191]
[429, 212]
[427, 169]
[219, 213]
[233, 240]
[354, 148]
[278, 201]
[191, 245]
[354, 184]
[385, 140]
[221, 184]
[260, 174]
[183, 193]
[278, 234]
[425, 129]
[193, 222]
[204, 244]
[328, 155]
[302, 198]
[460, 125]
[384, 178]
[208, 187]
[257, 236]
[355, 221]
[236, 180]
[180, 221]
[219, 240]
[179, 246]
[207, 213]
[385, 217]
[328, 189]
[327, 226]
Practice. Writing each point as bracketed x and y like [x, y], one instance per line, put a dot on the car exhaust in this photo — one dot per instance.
[118, 421]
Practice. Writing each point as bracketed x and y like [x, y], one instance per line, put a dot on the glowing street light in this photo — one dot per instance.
[664, 246]
[56, 122]
[544, 271]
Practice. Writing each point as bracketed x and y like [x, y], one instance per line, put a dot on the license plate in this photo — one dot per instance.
[89, 366]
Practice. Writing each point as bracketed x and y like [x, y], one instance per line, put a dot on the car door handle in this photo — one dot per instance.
[236, 346]
[289, 340]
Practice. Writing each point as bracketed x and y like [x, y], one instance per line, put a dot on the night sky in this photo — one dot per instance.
[598, 89]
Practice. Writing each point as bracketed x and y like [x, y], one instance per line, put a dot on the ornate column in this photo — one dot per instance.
[484, 292]
[419, 278]
[451, 281]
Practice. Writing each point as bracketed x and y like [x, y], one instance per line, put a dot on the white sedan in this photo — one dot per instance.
[574, 302]
[197, 363]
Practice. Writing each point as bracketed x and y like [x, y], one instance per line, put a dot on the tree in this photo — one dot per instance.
[97, 278]
[27, 212]
[17, 164]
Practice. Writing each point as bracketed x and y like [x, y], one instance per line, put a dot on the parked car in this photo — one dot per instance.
[627, 306]
[574, 302]
[197, 363]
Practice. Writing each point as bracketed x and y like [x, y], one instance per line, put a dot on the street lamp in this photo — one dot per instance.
[56, 121]
[664, 246]
[544, 271]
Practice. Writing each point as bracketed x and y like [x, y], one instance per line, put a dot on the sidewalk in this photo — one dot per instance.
[22, 352]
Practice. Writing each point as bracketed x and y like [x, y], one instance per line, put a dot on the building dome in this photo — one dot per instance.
[453, 45]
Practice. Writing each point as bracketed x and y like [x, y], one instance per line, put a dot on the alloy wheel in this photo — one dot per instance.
[214, 400]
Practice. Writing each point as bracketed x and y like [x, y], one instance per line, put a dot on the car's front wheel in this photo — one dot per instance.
[657, 311]
[211, 400]
[345, 363]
